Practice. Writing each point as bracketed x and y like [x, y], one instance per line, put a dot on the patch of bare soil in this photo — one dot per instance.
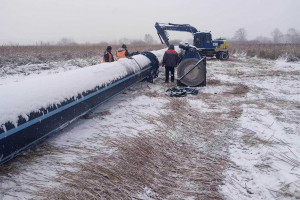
[239, 90]
[154, 93]
[213, 82]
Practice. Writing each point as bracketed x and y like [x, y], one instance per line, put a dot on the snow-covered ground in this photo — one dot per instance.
[249, 113]
[266, 148]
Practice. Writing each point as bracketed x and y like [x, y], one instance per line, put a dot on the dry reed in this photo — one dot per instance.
[267, 50]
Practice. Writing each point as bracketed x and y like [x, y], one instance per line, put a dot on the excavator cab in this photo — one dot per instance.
[208, 47]
[202, 39]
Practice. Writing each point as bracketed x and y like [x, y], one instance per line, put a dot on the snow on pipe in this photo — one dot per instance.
[33, 109]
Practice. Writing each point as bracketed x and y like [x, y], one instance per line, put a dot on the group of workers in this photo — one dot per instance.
[121, 53]
[170, 59]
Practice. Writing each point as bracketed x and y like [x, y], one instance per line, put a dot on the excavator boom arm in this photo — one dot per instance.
[162, 28]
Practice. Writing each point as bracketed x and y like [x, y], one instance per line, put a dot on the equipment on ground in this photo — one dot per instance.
[202, 40]
[178, 91]
[191, 70]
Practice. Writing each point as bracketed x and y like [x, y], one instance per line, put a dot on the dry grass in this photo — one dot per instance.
[270, 51]
[230, 99]
[26, 157]
[179, 105]
[275, 73]
[239, 90]
[171, 165]
[216, 82]
[185, 123]
[152, 93]
[22, 55]
[213, 82]
[288, 191]
[253, 140]
[171, 170]
[236, 111]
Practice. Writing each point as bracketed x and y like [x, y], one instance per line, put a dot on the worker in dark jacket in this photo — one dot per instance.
[122, 52]
[170, 61]
[108, 57]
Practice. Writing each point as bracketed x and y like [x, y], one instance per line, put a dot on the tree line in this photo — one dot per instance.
[148, 39]
[291, 36]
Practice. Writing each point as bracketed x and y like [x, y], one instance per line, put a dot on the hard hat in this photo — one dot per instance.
[108, 48]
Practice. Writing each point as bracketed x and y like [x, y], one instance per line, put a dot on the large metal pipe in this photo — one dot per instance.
[22, 125]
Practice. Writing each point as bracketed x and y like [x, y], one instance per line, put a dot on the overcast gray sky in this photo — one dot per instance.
[29, 21]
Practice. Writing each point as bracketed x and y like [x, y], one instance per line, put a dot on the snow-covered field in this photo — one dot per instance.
[237, 139]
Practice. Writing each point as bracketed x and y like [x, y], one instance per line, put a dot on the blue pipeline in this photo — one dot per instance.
[36, 120]
[21, 137]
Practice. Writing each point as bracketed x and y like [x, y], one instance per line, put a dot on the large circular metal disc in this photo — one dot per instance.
[196, 76]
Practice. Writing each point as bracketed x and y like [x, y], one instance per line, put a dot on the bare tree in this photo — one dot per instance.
[240, 35]
[277, 36]
[148, 39]
[293, 36]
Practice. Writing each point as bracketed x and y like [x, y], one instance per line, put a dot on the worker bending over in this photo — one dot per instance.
[108, 57]
[122, 52]
[170, 61]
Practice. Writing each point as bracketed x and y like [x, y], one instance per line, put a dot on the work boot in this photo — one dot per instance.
[172, 79]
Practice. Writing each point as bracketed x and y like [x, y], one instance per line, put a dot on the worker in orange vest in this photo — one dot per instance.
[108, 57]
[122, 52]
